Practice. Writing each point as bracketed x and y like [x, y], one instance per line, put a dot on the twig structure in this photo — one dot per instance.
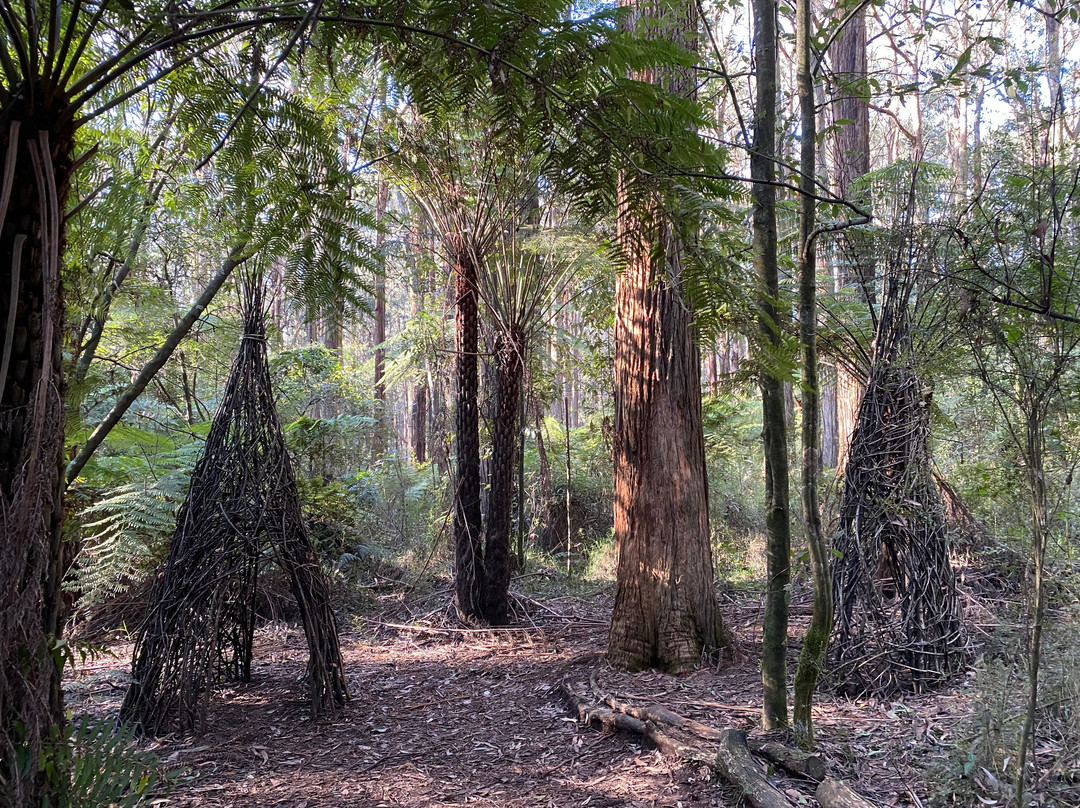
[897, 624]
[243, 501]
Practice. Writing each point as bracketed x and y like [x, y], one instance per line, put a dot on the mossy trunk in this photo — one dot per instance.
[773, 427]
[812, 656]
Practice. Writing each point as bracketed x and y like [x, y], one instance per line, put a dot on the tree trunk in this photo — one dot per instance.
[419, 424]
[817, 635]
[35, 165]
[774, 434]
[545, 486]
[378, 441]
[508, 375]
[852, 162]
[236, 257]
[468, 519]
[1036, 478]
[665, 611]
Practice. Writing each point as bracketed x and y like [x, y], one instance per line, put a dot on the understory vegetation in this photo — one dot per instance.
[727, 349]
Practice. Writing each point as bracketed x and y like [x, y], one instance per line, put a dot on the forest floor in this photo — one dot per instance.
[445, 716]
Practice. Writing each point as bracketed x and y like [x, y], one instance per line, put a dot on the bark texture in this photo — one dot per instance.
[35, 164]
[773, 427]
[468, 517]
[508, 376]
[665, 611]
[812, 656]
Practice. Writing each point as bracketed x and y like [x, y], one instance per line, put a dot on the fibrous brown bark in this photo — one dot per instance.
[35, 165]
[848, 54]
[468, 518]
[665, 611]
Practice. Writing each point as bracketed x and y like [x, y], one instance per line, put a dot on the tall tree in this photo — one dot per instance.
[763, 156]
[812, 656]
[665, 611]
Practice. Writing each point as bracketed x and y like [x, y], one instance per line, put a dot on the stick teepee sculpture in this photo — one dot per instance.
[243, 499]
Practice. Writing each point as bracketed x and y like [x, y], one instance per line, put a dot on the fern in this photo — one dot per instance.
[107, 768]
[127, 532]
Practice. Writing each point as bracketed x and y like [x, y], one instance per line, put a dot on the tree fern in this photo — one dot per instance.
[127, 528]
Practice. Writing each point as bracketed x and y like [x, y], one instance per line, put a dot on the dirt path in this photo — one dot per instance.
[445, 717]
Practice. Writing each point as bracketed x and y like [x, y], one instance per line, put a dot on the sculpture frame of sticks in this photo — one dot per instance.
[243, 502]
[898, 623]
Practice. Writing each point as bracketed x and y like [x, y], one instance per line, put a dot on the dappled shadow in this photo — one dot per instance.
[444, 716]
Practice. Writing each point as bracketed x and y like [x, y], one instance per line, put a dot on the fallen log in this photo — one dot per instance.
[727, 752]
[733, 761]
[833, 793]
[794, 761]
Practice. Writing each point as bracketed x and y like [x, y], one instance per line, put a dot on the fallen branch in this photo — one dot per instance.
[836, 794]
[792, 760]
[733, 761]
[727, 751]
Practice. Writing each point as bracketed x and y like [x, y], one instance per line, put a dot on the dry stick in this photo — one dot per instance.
[237, 256]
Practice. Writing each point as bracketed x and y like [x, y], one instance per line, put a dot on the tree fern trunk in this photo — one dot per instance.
[35, 163]
[468, 518]
[509, 370]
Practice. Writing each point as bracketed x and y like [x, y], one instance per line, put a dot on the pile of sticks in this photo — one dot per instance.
[898, 624]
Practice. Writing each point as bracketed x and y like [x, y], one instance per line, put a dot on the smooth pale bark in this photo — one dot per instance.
[468, 518]
[812, 656]
[665, 612]
[774, 433]
[150, 369]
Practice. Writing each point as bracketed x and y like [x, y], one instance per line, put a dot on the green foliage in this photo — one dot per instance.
[129, 516]
[108, 768]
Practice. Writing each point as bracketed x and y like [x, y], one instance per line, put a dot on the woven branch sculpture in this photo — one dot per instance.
[243, 501]
[898, 624]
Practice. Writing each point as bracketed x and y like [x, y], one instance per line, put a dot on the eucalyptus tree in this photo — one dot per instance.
[665, 612]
